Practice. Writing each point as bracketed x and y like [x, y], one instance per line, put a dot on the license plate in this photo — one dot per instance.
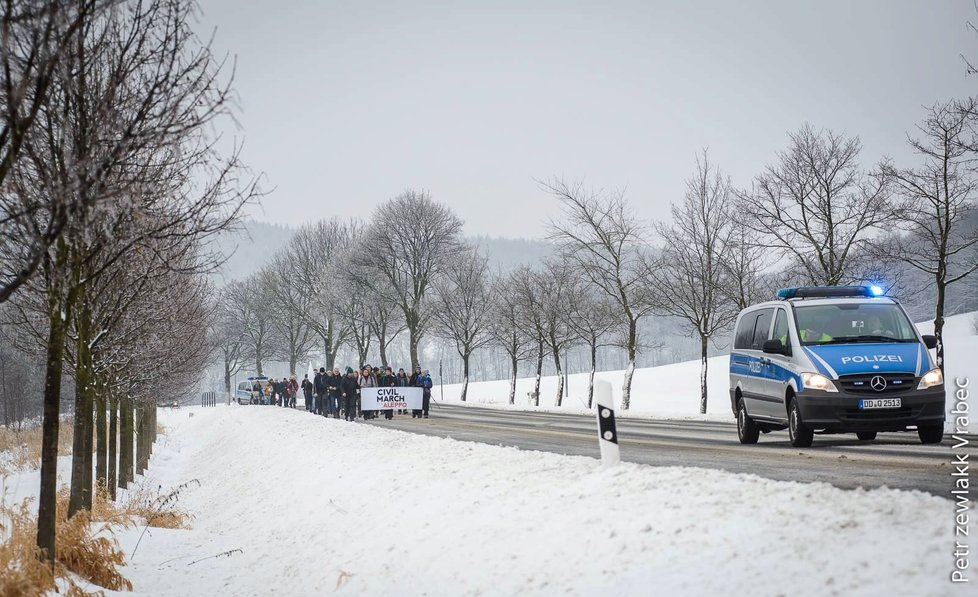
[879, 403]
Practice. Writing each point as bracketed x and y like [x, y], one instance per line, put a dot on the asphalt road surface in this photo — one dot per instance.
[895, 460]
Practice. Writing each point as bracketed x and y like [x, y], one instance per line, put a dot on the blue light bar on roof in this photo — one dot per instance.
[829, 292]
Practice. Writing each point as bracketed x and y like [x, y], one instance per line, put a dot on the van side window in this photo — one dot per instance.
[761, 328]
[781, 328]
[745, 330]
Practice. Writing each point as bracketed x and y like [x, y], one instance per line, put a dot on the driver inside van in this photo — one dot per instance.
[814, 332]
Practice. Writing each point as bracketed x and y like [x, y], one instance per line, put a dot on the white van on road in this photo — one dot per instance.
[833, 359]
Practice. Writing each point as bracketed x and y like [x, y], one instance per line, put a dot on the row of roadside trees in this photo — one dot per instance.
[111, 187]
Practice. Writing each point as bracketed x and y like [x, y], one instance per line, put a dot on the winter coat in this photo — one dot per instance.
[349, 386]
[368, 381]
[320, 383]
[333, 383]
[387, 381]
[426, 383]
[307, 387]
[403, 382]
[293, 387]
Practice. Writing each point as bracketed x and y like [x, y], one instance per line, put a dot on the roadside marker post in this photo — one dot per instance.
[607, 430]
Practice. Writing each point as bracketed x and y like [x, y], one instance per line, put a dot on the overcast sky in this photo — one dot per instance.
[346, 104]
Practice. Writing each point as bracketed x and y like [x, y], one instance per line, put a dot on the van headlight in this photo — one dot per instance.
[934, 377]
[817, 381]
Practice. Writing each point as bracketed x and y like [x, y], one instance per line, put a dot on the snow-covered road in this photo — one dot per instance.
[320, 506]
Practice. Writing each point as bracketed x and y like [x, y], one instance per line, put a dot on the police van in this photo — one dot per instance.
[244, 393]
[833, 359]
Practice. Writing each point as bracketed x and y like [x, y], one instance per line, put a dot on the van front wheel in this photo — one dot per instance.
[747, 430]
[866, 436]
[801, 435]
[931, 434]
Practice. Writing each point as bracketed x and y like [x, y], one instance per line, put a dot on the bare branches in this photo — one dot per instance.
[816, 206]
[600, 235]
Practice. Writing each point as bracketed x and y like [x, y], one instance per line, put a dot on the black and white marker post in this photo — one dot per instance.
[607, 430]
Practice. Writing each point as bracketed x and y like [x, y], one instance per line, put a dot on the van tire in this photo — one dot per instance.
[930, 434]
[866, 436]
[747, 430]
[801, 435]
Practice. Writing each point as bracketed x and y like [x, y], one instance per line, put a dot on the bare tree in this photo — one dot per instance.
[592, 316]
[408, 245]
[937, 197]
[316, 249]
[229, 336]
[290, 302]
[463, 300]
[507, 327]
[816, 207]
[606, 242]
[556, 285]
[37, 40]
[690, 270]
[531, 309]
[248, 303]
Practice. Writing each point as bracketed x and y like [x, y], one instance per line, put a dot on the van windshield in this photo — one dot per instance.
[850, 323]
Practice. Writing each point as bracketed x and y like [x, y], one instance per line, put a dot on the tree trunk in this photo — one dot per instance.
[111, 480]
[560, 377]
[626, 390]
[47, 502]
[293, 360]
[125, 442]
[141, 457]
[414, 339]
[536, 385]
[590, 379]
[227, 378]
[80, 491]
[939, 319]
[383, 350]
[512, 380]
[704, 365]
[465, 375]
[258, 360]
[101, 447]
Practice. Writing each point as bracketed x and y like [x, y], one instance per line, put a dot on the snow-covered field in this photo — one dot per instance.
[672, 391]
[321, 506]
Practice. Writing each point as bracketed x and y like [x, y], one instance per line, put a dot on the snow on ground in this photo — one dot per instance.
[672, 391]
[318, 506]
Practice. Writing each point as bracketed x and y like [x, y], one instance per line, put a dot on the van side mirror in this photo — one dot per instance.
[930, 341]
[774, 346]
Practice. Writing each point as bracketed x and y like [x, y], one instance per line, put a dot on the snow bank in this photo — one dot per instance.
[318, 505]
[673, 390]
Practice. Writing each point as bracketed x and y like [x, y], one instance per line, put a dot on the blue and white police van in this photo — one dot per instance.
[833, 359]
[245, 393]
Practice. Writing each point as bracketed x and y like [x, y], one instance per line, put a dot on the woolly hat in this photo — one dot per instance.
[349, 370]
[322, 369]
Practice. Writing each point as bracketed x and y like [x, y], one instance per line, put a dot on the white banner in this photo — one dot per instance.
[385, 398]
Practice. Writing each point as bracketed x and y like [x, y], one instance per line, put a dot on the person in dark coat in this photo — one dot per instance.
[307, 390]
[426, 385]
[368, 380]
[416, 382]
[333, 394]
[319, 387]
[388, 380]
[349, 389]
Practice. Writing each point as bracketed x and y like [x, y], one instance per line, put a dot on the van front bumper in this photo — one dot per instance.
[840, 412]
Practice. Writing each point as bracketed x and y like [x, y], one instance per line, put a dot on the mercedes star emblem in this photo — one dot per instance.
[878, 383]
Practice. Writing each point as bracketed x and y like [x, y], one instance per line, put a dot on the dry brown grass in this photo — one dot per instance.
[84, 550]
[24, 446]
[160, 429]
